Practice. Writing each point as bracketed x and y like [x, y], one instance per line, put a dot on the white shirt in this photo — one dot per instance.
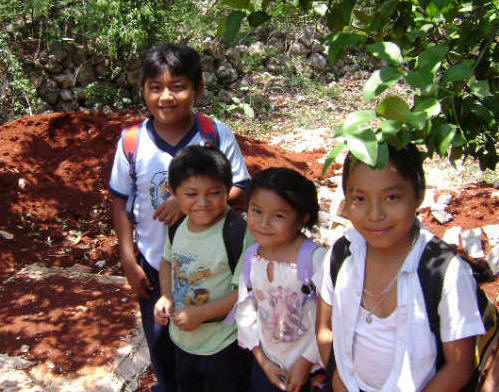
[274, 318]
[415, 347]
[151, 164]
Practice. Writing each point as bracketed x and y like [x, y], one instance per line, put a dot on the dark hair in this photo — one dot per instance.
[199, 161]
[179, 59]
[299, 192]
[407, 160]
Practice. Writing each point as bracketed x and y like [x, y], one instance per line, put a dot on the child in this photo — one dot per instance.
[381, 334]
[276, 316]
[197, 285]
[170, 78]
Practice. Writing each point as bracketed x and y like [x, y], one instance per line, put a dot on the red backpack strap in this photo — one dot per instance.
[208, 130]
[130, 137]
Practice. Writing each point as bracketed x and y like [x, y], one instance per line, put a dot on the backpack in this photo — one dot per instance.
[233, 235]
[431, 271]
[304, 267]
[208, 130]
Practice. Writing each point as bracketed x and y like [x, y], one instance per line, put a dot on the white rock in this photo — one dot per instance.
[428, 200]
[6, 235]
[100, 263]
[21, 183]
[472, 242]
[325, 193]
[492, 233]
[493, 260]
[451, 236]
[24, 348]
[438, 210]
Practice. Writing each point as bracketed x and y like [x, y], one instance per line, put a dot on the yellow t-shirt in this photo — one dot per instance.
[201, 274]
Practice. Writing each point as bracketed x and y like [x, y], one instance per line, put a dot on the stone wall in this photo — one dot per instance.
[70, 77]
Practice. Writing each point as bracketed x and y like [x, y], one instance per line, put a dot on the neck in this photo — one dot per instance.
[287, 252]
[174, 132]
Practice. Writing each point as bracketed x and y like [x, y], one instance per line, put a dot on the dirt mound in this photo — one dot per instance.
[54, 171]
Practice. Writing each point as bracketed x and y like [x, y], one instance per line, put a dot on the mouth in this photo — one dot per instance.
[378, 232]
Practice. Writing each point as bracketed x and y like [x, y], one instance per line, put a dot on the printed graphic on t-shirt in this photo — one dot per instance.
[158, 190]
[188, 278]
[281, 314]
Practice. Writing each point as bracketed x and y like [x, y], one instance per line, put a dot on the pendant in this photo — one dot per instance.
[369, 318]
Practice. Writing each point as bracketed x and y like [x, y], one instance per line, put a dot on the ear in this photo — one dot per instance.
[305, 219]
[170, 189]
[199, 91]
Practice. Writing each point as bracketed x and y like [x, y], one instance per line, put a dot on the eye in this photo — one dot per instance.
[189, 194]
[254, 210]
[358, 198]
[393, 197]
[178, 87]
[280, 216]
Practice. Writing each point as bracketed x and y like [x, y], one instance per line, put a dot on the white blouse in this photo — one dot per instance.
[275, 316]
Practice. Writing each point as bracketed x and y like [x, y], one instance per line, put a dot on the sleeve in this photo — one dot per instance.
[325, 285]
[458, 308]
[120, 181]
[229, 146]
[246, 318]
[318, 260]
[247, 242]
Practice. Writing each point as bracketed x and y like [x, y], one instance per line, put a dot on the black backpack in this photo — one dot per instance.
[431, 271]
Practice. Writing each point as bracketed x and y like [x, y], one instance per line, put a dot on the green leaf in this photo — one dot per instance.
[387, 51]
[390, 128]
[258, 18]
[383, 13]
[443, 137]
[356, 121]
[244, 4]
[480, 88]
[393, 108]
[233, 25]
[457, 72]
[364, 146]
[401, 139]
[383, 155]
[339, 41]
[333, 155]
[380, 80]
[431, 57]
[430, 106]
[421, 79]
[248, 111]
[458, 140]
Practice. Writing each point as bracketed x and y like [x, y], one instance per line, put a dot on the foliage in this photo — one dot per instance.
[443, 50]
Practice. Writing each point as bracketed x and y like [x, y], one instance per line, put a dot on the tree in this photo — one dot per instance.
[444, 50]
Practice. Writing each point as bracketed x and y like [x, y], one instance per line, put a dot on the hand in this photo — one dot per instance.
[169, 212]
[276, 375]
[138, 280]
[188, 318]
[298, 374]
[163, 309]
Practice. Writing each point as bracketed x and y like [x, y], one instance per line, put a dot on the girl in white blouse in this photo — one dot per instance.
[275, 314]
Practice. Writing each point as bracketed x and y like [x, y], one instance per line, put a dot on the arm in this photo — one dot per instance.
[164, 307]
[274, 373]
[458, 367]
[323, 330]
[237, 199]
[298, 374]
[190, 317]
[134, 273]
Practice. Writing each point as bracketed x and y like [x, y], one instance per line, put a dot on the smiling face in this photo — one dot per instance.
[272, 220]
[203, 199]
[382, 206]
[170, 99]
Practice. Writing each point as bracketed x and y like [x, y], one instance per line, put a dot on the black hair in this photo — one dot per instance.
[179, 59]
[408, 161]
[199, 161]
[298, 191]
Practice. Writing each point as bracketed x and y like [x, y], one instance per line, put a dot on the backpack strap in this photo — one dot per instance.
[130, 142]
[173, 229]
[340, 251]
[305, 268]
[233, 234]
[208, 130]
[249, 256]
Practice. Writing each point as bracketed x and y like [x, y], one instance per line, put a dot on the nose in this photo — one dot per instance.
[264, 221]
[376, 211]
[167, 95]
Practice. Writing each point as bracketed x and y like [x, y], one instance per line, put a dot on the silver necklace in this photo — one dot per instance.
[382, 294]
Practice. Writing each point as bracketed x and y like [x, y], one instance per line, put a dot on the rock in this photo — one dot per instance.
[224, 96]
[49, 92]
[210, 80]
[208, 64]
[278, 44]
[307, 36]
[318, 62]
[6, 235]
[65, 80]
[452, 235]
[233, 55]
[226, 73]
[297, 49]
[66, 95]
[206, 98]
[85, 75]
[274, 64]
[256, 48]
[472, 242]
[492, 233]
[493, 260]
[438, 210]
[429, 198]
[21, 183]
[53, 67]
